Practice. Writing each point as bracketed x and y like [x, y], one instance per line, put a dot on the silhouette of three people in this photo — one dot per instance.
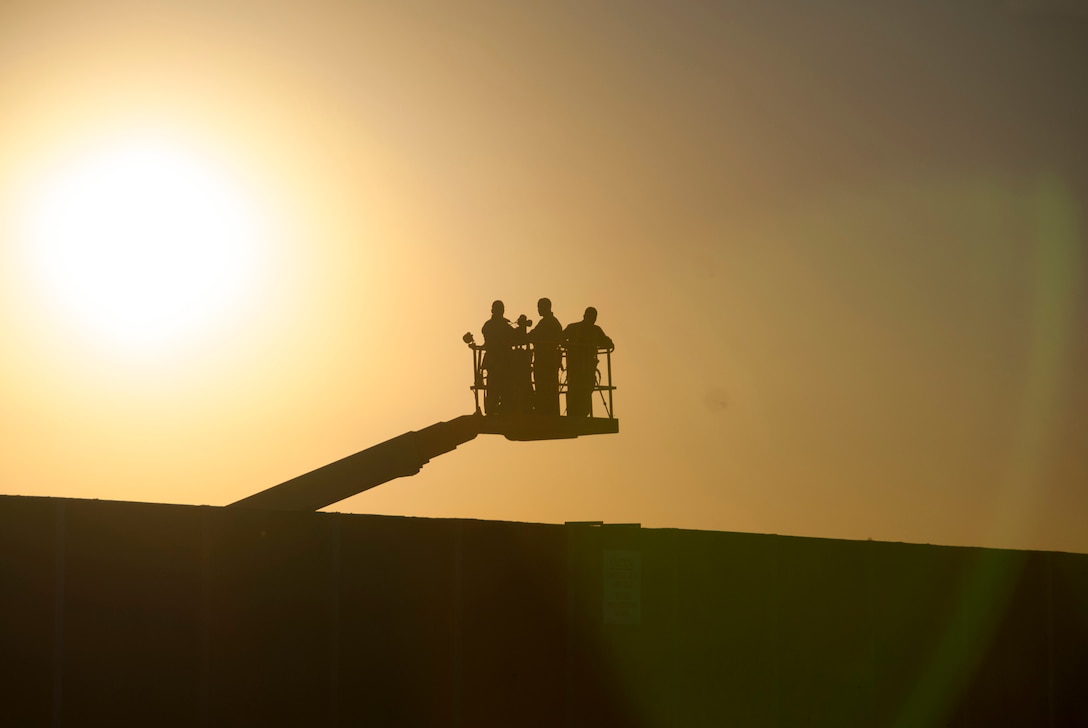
[514, 385]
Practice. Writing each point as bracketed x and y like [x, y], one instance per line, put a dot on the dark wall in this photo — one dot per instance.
[139, 614]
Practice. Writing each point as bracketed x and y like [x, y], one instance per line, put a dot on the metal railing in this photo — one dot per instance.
[522, 387]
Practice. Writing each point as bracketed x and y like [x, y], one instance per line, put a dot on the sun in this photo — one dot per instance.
[141, 241]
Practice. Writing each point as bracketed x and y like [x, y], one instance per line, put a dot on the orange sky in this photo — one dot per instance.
[842, 252]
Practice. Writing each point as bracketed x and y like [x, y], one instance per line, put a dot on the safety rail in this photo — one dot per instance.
[523, 384]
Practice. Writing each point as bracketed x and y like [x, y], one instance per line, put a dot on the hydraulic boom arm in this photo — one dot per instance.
[403, 455]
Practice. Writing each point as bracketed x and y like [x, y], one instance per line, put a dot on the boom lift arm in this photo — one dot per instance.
[408, 453]
[402, 456]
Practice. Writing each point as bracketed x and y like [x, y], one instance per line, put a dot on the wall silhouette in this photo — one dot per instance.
[140, 614]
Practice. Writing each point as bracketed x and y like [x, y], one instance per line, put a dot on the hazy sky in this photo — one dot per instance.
[842, 248]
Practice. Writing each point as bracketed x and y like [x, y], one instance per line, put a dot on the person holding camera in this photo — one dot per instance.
[582, 339]
[502, 361]
[547, 358]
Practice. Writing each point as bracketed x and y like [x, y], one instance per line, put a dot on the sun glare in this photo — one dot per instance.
[141, 242]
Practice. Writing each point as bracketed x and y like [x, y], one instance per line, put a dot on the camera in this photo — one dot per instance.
[526, 322]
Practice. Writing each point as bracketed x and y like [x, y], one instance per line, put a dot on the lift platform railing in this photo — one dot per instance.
[602, 387]
[523, 377]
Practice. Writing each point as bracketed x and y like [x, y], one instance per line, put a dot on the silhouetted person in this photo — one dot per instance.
[499, 362]
[545, 339]
[582, 340]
